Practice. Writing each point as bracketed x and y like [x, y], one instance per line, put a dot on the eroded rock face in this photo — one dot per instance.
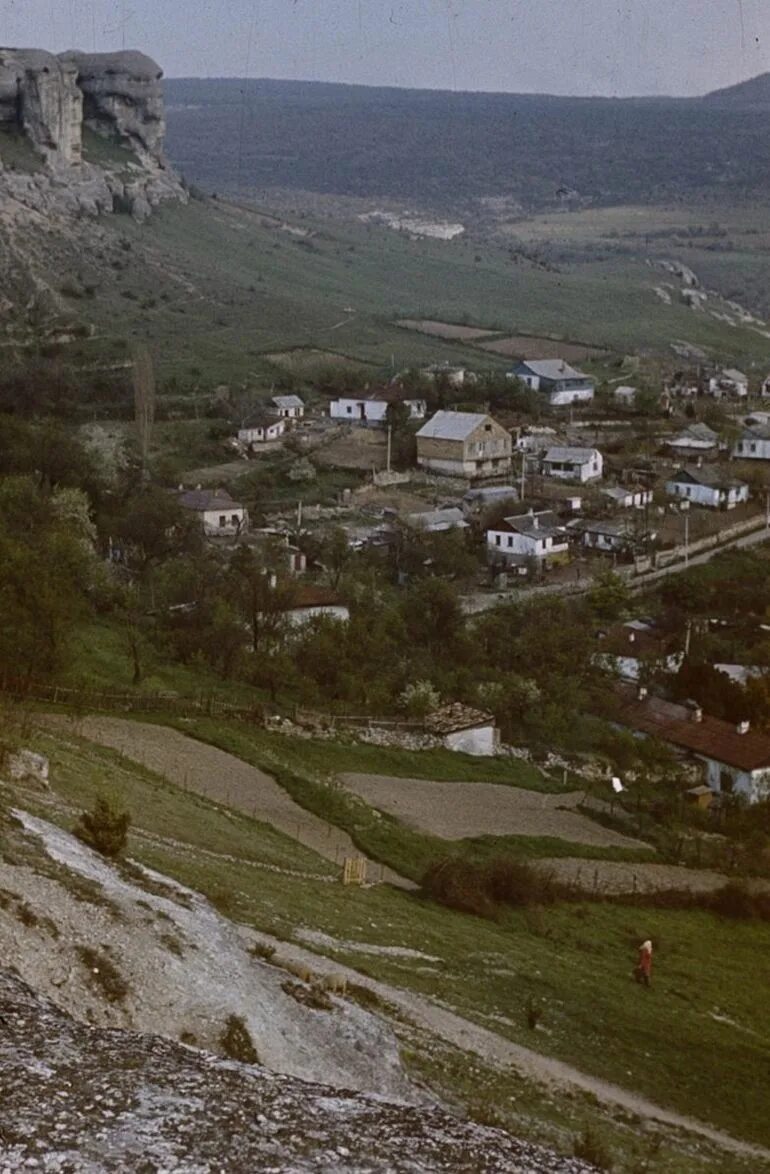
[80, 1098]
[122, 98]
[40, 97]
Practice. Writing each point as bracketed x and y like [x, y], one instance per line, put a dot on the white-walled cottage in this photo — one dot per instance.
[218, 513]
[573, 464]
[287, 407]
[697, 438]
[730, 383]
[628, 498]
[372, 406]
[465, 730]
[754, 443]
[261, 427]
[708, 486]
[533, 535]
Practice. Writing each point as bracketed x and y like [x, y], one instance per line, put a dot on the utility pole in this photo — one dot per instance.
[687, 539]
[767, 509]
[390, 444]
[523, 473]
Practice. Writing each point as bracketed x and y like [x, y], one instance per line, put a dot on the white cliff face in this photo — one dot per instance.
[49, 101]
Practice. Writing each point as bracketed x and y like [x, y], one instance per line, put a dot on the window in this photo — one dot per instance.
[510, 540]
[487, 427]
[753, 447]
[234, 519]
[222, 520]
[349, 410]
[497, 540]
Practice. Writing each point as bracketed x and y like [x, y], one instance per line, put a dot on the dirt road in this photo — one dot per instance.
[456, 811]
[221, 777]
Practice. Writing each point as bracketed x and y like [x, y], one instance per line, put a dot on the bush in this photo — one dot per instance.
[483, 888]
[105, 828]
[104, 974]
[590, 1147]
[236, 1041]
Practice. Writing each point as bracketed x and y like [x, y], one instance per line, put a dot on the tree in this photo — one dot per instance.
[104, 828]
[610, 597]
[258, 595]
[144, 402]
[335, 554]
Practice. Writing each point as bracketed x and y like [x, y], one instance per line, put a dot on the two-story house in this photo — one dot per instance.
[561, 383]
[464, 444]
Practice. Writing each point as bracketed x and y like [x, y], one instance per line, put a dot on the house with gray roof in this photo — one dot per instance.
[287, 407]
[708, 486]
[218, 513]
[464, 444]
[534, 535]
[754, 443]
[438, 521]
[573, 464]
[556, 379]
[697, 438]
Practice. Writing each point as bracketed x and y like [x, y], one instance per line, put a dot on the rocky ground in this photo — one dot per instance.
[80, 1099]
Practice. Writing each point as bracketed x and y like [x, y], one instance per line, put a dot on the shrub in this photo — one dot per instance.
[236, 1041]
[590, 1147]
[483, 888]
[419, 699]
[104, 974]
[105, 828]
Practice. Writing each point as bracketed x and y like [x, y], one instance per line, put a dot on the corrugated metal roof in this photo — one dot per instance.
[439, 519]
[452, 425]
[709, 475]
[543, 524]
[579, 456]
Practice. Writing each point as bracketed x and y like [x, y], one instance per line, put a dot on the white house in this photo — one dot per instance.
[635, 498]
[372, 407]
[765, 388]
[624, 394]
[216, 510]
[573, 464]
[260, 428]
[754, 444]
[464, 444]
[556, 379]
[465, 730]
[627, 648]
[697, 438]
[454, 376]
[735, 759]
[708, 486]
[730, 383]
[475, 501]
[287, 407]
[534, 535]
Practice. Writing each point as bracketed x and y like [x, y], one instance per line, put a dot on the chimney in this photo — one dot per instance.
[743, 727]
[696, 713]
[641, 693]
[535, 522]
[631, 637]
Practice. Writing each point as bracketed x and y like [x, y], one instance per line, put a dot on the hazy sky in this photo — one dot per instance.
[556, 46]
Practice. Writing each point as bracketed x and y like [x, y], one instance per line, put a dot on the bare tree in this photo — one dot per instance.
[144, 401]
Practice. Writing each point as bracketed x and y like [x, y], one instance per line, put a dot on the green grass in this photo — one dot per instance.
[202, 279]
[696, 1041]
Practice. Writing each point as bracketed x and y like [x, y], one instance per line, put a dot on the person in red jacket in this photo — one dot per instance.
[643, 972]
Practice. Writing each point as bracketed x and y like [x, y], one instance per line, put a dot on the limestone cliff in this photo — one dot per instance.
[49, 105]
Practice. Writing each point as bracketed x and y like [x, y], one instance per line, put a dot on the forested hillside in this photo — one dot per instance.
[440, 147]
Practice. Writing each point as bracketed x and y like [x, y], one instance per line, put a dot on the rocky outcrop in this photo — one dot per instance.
[39, 97]
[50, 101]
[81, 1098]
[122, 98]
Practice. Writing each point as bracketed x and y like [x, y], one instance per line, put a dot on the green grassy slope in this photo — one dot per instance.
[217, 287]
[697, 1041]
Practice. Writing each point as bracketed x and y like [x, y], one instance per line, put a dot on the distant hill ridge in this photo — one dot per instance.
[754, 91]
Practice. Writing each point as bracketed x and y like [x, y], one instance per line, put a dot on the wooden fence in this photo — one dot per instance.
[331, 721]
[85, 700]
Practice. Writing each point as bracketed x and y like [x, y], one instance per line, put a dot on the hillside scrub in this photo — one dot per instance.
[104, 828]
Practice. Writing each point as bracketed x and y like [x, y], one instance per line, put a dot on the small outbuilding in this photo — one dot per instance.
[465, 730]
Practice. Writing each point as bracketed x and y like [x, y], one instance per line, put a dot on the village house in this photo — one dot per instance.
[372, 406]
[734, 758]
[605, 536]
[261, 427]
[630, 648]
[533, 535]
[635, 498]
[465, 730]
[729, 383]
[534, 437]
[573, 464]
[287, 407]
[697, 438]
[453, 376]
[464, 444]
[764, 390]
[707, 486]
[218, 513]
[624, 394]
[556, 379]
[754, 443]
[438, 521]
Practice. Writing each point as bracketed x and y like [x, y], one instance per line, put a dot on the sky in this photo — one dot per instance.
[611, 47]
